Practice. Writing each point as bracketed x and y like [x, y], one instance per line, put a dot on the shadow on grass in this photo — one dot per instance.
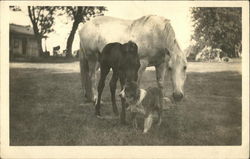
[47, 108]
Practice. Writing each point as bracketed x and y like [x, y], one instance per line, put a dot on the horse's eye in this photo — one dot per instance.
[169, 68]
[185, 67]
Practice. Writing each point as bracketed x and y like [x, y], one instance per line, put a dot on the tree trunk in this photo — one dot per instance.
[71, 38]
[36, 31]
[39, 41]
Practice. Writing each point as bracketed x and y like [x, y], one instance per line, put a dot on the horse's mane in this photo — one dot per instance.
[163, 28]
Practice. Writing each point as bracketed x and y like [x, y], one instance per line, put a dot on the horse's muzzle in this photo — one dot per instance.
[177, 96]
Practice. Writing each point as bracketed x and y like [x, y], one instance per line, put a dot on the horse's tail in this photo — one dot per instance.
[99, 56]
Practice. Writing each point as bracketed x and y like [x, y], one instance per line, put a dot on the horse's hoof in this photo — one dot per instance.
[145, 132]
[95, 102]
[99, 117]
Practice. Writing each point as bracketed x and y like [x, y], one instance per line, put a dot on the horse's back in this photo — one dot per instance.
[153, 34]
[96, 33]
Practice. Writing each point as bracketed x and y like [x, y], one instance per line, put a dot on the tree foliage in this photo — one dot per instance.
[15, 8]
[217, 28]
[42, 19]
[79, 14]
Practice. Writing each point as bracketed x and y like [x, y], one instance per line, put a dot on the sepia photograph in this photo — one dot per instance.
[127, 78]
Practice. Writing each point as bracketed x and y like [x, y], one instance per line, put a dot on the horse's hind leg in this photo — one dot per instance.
[84, 74]
[112, 85]
[101, 84]
[93, 65]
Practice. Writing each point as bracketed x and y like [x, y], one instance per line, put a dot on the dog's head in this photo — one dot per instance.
[130, 92]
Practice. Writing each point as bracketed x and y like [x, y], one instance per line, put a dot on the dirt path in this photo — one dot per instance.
[74, 67]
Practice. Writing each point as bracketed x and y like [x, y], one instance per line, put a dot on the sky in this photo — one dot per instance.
[179, 16]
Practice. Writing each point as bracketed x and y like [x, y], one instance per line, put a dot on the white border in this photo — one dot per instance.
[123, 151]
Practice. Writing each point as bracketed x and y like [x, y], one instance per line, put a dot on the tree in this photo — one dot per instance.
[79, 15]
[217, 28]
[42, 19]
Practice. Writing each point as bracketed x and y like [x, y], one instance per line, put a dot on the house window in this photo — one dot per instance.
[16, 43]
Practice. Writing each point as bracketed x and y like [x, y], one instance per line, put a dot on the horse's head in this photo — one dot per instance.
[177, 66]
[131, 62]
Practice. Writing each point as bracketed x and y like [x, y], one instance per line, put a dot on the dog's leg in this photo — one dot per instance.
[148, 123]
[159, 118]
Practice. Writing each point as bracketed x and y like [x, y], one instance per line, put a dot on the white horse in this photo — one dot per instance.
[157, 46]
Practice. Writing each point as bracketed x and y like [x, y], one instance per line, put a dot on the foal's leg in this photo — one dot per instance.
[112, 85]
[101, 84]
[123, 113]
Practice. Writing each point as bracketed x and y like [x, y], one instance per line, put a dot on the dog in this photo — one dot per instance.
[143, 101]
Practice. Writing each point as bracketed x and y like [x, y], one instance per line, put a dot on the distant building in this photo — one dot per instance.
[22, 41]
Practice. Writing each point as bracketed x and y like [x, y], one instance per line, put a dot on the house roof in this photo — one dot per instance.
[27, 30]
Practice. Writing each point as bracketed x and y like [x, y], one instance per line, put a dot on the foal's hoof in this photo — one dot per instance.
[116, 113]
[124, 123]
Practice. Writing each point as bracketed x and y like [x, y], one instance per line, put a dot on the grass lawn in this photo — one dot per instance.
[46, 108]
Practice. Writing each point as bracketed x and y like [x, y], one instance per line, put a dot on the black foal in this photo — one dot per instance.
[123, 59]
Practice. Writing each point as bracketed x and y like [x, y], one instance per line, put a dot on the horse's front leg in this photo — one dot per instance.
[144, 65]
[160, 75]
[112, 85]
